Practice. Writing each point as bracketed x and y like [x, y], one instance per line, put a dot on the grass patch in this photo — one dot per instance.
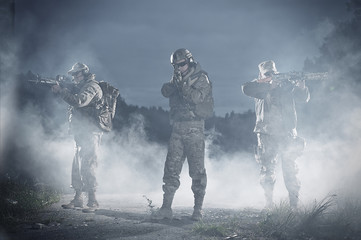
[279, 222]
[322, 220]
[212, 230]
[18, 201]
[330, 218]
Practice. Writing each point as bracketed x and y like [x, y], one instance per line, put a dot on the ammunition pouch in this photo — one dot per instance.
[104, 118]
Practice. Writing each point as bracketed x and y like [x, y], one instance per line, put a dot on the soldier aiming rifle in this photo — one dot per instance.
[275, 96]
[92, 108]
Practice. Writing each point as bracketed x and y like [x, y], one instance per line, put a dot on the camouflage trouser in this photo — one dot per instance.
[287, 149]
[85, 162]
[186, 141]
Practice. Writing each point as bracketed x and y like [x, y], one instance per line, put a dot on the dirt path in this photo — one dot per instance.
[130, 222]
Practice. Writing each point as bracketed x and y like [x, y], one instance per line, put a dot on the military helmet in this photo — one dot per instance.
[77, 67]
[267, 66]
[180, 54]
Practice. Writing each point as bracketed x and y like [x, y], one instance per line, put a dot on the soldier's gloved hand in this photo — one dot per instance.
[185, 88]
[177, 77]
[56, 88]
[274, 83]
[301, 84]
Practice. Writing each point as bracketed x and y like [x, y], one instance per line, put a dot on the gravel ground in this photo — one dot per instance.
[131, 222]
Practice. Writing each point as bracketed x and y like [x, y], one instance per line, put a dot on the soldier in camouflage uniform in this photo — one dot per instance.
[185, 91]
[276, 122]
[84, 99]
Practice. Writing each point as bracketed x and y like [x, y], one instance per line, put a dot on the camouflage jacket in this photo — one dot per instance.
[275, 108]
[84, 102]
[185, 96]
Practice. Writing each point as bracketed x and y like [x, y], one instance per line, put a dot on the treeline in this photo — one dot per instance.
[230, 133]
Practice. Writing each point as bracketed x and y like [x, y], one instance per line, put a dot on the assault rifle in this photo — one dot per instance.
[290, 79]
[63, 81]
[177, 79]
[300, 76]
[178, 82]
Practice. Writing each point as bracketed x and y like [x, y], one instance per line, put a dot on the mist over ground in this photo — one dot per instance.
[131, 165]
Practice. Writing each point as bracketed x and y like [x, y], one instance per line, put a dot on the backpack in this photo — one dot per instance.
[106, 112]
[205, 109]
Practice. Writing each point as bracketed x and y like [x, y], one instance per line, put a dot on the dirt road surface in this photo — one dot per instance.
[114, 220]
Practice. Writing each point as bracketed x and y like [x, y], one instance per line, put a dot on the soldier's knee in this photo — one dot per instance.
[258, 153]
[197, 174]
[169, 188]
[199, 187]
[295, 148]
[171, 184]
[267, 179]
[264, 158]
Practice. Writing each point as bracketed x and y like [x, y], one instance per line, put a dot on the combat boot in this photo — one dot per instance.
[197, 214]
[165, 212]
[197, 210]
[92, 205]
[77, 202]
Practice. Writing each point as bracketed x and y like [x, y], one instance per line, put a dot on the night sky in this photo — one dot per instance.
[128, 42]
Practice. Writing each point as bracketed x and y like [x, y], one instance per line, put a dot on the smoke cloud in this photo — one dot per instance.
[131, 166]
